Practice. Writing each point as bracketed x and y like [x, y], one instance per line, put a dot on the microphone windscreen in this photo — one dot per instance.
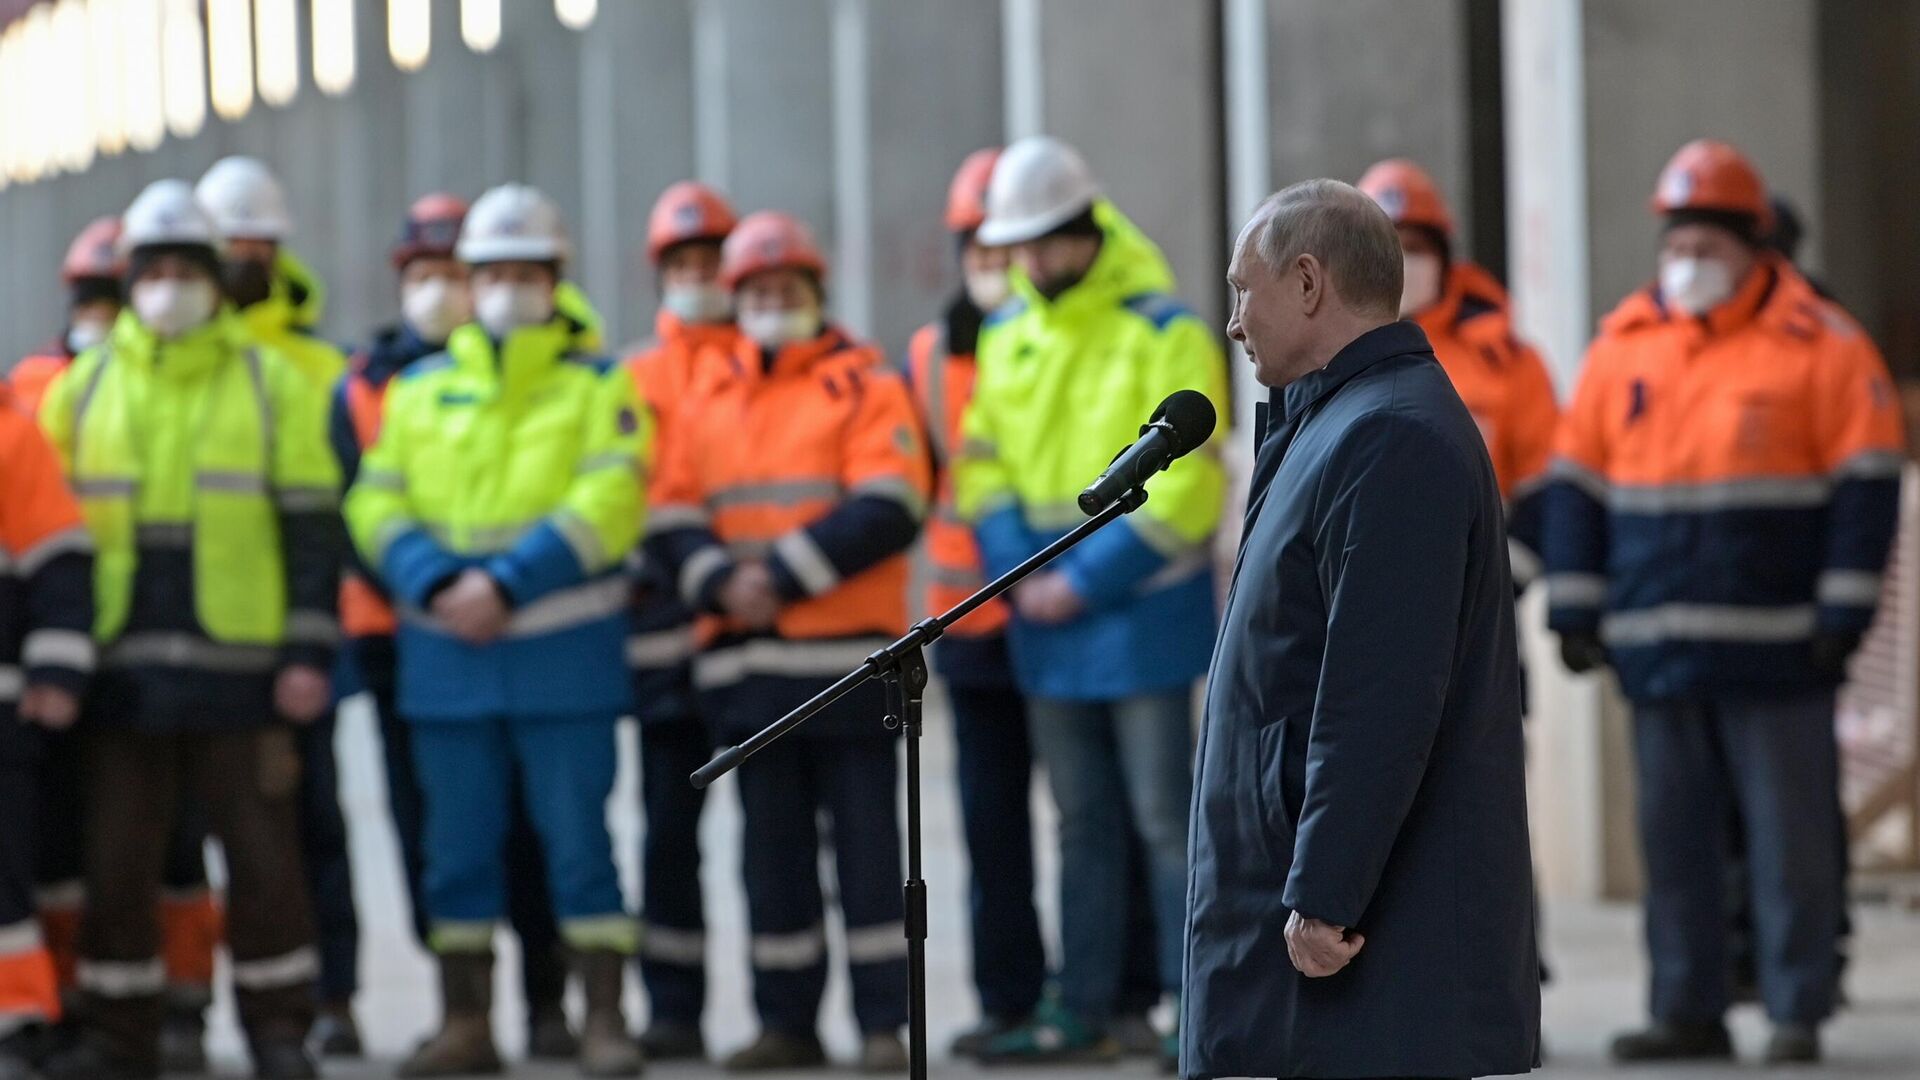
[1192, 418]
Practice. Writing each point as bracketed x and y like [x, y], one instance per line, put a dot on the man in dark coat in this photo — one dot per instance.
[1360, 901]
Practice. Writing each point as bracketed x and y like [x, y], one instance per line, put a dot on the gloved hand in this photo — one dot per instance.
[1830, 652]
[1582, 652]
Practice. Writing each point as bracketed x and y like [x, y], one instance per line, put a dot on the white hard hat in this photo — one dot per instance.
[245, 200]
[1039, 184]
[513, 223]
[166, 212]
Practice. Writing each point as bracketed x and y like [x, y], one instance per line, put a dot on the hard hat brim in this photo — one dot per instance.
[509, 250]
[999, 232]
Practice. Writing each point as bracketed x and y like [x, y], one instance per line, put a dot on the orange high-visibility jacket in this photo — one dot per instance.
[943, 384]
[32, 375]
[1724, 489]
[812, 459]
[1507, 389]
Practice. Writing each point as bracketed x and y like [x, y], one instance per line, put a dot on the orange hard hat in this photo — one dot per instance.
[967, 195]
[95, 253]
[1408, 195]
[1710, 175]
[686, 211]
[431, 229]
[769, 240]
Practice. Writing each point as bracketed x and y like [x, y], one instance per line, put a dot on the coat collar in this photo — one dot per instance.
[1380, 343]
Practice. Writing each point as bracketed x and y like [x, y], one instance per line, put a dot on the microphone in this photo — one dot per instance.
[1181, 425]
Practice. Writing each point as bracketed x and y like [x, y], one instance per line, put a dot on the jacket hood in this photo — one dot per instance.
[193, 353]
[1129, 264]
[392, 349]
[1775, 297]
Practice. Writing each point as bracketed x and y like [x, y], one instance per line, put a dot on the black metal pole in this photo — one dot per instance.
[902, 666]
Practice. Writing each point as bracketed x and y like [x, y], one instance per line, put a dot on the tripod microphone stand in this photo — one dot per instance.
[902, 667]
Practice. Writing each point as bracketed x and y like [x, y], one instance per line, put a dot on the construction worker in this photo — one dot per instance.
[435, 299]
[1723, 496]
[280, 303]
[498, 505]
[46, 654]
[795, 482]
[201, 464]
[1465, 315]
[1107, 643]
[91, 272]
[694, 327]
[995, 756]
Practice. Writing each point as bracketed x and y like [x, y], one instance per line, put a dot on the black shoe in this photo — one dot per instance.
[335, 1034]
[1794, 1044]
[668, 1040]
[89, 1059]
[283, 1059]
[1675, 1042]
[970, 1043]
[775, 1051]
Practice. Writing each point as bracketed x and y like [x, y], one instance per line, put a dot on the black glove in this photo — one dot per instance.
[1830, 653]
[1582, 652]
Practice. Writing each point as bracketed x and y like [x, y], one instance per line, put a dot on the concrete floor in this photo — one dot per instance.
[1594, 949]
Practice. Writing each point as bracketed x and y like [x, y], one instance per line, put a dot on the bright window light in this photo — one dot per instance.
[409, 33]
[276, 50]
[104, 72]
[333, 62]
[480, 24]
[230, 56]
[74, 115]
[142, 82]
[42, 70]
[576, 14]
[184, 67]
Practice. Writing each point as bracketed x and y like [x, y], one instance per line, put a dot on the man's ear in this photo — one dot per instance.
[1313, 284]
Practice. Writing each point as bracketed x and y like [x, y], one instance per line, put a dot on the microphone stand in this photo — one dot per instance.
[902, 666]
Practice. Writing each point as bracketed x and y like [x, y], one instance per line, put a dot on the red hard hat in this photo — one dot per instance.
[769, 240]
[688, 210]
[1707, 174]
[967, 195]
[431, 229]
[1408, 195]
[95, 253]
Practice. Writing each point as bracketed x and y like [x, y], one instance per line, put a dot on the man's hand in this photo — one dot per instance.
[750, 596]
[301, 693]
[1048, 599]
[472, 608]
[1319, 949]
[52, 707]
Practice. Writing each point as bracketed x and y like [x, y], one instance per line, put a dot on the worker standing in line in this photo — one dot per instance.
[46, 655]
[1725, 490]
[91, 272]
[436, 298]
[498, 506]
[200, 461]
[694, 328]
[796, 482]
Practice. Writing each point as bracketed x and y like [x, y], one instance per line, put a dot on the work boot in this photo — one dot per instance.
[882, 1053]
[335, 1034]
[1055, 1035]
[183, 1040]
[283, 1059]
[464, 1043]
[776, 1051]
[969, 1043]
[605, 1047]
[90, 1058]
[670, 1040]
[549, 1036]
[1794, 1044]
[1666, 1041]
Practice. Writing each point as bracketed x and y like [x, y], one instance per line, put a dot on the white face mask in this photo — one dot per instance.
[506, 307]
[171, 307]
[1420, 283]
[1694, 285]
[82, 336]
[772, 329]
[435, 307]
[988, 289]
[697, 303]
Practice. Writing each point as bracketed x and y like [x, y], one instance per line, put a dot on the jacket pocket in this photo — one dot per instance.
[1276, 820]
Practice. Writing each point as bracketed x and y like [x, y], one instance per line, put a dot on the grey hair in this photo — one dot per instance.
[1344, 229]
